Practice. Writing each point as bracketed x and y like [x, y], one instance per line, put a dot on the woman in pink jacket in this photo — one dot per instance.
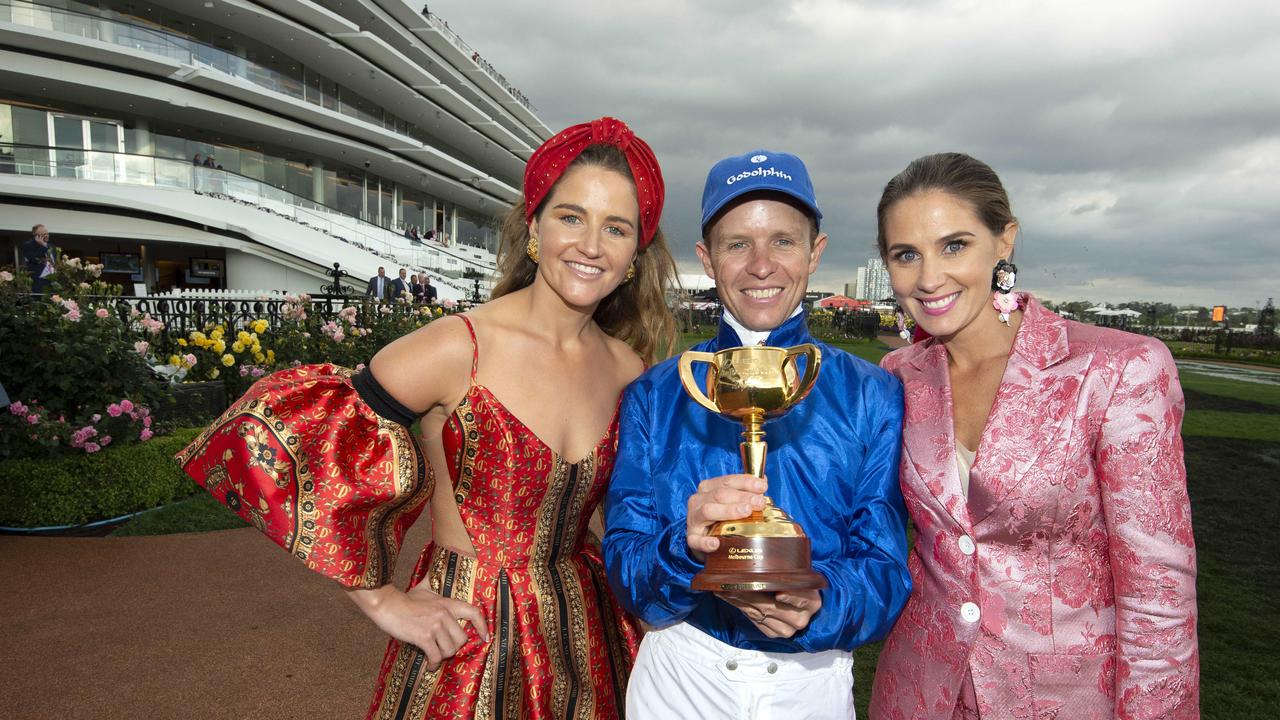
[1054, 566]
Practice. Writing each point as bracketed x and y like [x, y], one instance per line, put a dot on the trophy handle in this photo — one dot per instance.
[687, 359]
[810, 371]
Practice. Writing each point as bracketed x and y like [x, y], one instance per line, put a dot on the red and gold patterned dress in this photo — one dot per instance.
[306, 459]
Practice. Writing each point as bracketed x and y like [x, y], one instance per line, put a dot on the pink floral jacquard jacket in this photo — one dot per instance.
[1065, 583]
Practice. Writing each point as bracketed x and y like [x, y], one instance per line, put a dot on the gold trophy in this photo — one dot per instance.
[766, 551]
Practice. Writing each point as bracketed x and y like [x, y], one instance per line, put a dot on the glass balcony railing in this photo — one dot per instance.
[181, 175]
[153, 41]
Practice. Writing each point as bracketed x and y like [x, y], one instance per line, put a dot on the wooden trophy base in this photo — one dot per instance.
[759, 564]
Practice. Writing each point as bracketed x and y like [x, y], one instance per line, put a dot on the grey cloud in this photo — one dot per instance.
[1138, 140]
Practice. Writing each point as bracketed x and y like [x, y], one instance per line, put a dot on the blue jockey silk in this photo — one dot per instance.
[832, 466]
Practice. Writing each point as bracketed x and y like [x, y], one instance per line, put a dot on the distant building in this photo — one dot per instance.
[872, 282]
[859, 285]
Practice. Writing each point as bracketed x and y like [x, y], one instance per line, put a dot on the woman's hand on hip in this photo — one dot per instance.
[422, 618]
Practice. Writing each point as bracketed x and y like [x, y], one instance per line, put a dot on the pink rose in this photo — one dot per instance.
[6, 276]
[142, 346]
[33, 419]
[18, 408]
[114, 410]
[92, 447]
[106, 440]
[146, 421]
[101, 312]
[97, 417]
[190, 358]
[126, 405]
[145, 435]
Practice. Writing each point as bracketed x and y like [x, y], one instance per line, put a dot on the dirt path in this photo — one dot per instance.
[208, 626]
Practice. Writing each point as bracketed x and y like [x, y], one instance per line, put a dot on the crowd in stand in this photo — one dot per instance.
[412, 234]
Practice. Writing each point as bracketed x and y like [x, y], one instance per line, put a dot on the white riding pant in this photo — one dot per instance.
[681, 672]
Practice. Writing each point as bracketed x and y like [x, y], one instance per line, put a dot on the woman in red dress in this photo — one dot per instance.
[507, 614]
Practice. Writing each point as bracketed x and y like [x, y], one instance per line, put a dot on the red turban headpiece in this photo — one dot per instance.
[549, 162]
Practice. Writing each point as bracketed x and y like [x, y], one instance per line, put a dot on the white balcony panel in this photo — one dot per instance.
[377, 71]
[386, 56]
[505, 138]
[222, 83]
[309, 14]
[88, 49]
[437, 41]
[403, 21]
[126, 93]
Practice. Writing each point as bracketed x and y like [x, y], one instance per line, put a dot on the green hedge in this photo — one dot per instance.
[114, 482]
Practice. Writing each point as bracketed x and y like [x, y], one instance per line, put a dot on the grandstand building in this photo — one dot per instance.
[251, 144]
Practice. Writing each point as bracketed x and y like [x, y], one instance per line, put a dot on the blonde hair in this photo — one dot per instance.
[636, 311]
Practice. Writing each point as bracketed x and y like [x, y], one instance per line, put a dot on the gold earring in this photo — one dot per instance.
[631, 273]
[532, 249]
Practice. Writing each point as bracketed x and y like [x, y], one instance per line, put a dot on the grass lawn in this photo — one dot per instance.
[1232, 437]
[198, 513]
[1248, 356]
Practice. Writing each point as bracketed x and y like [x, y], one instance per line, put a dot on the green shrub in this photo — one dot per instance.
[68, 358]
[106, 484]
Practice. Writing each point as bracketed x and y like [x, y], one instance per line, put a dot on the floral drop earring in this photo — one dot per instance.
[1003, 279]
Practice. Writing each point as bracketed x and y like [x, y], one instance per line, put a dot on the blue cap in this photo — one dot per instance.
[755, 171]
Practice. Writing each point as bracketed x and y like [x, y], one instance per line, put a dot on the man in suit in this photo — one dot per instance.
[379, 285]
[428, 290]
[400, 286]
[38, 257]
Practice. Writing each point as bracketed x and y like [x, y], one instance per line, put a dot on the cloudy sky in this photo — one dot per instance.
[1139, 140]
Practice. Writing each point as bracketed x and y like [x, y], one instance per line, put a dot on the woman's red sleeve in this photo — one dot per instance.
[305, 459]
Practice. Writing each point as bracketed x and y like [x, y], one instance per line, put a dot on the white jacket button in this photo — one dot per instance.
[970, 612]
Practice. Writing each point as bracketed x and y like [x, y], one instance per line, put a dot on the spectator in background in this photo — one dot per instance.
[196, 160]
[379, 286]
[38, 256]
[415, 287]
[428, 291]
[400, 286]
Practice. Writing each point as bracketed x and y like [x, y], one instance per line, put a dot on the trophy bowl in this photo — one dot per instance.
[766, 551]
